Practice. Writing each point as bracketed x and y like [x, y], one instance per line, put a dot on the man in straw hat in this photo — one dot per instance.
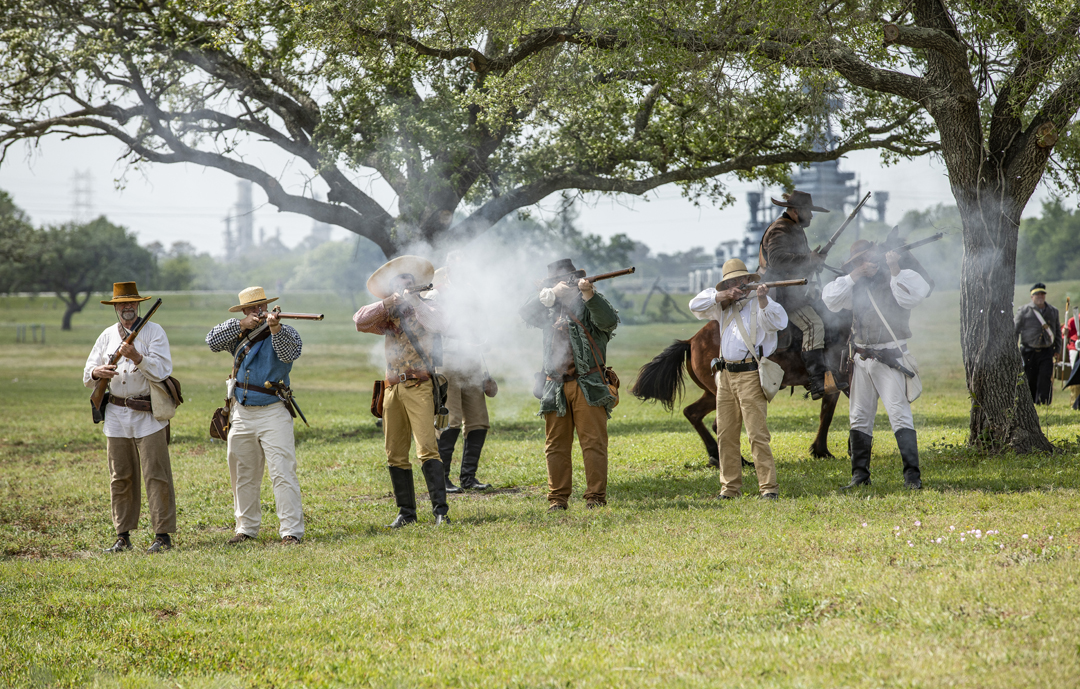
[409, 324]
[137, 441]
[466, 373]
[260, 422]
[882, 364]
[577, 322]
[739, 397]
[1037, 324]
[785, 255]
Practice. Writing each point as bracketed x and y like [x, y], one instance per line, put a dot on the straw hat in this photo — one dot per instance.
[252, 296]
[800, 199]
[441, 277]
[420, 268]
[734, 268]
[123, 292]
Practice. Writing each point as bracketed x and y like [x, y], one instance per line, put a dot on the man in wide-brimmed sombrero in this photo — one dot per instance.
[137, 440]
[260, 422]
[739, 396]
[880, 298]
[785, 255]
[577, 322]
[409, 324]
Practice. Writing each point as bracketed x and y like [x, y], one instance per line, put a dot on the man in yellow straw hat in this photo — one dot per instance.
[739, 397]
[260, 422]
[409, 324]
[137, 441]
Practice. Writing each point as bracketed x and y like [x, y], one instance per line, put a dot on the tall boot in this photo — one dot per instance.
[908, 442]
[447, 443]
[859, 445]
[436, 485]
[816, 368]
[405, 495]
[470, 459]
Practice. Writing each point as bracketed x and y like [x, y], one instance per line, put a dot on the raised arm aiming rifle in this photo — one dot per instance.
[100, 396]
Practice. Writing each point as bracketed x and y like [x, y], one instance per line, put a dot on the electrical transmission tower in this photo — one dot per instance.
[82, 195]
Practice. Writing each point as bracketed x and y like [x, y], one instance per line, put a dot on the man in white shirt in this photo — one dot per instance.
[136, 440]
[881, 364]
[739, 397]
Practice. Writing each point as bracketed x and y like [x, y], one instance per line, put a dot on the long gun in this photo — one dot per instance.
[299, 316]
[877, 253]
[551, 282]
[824, 250]
[99, 399]
[782, 283]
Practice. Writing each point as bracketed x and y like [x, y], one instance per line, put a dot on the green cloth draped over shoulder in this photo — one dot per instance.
[600, 318]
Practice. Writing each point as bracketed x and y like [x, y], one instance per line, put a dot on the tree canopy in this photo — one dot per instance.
[466, 110]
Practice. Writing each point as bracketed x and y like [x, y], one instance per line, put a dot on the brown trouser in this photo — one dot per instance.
[591, 425]
[465, 401]
[739, 399]
[409, 414]
[150, 454]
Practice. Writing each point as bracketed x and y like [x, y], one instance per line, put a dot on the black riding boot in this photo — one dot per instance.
[405, 495]
[436, 485]
[470, 459]
[814, 360]
[859, 445]
[447, 443]
[908, 442]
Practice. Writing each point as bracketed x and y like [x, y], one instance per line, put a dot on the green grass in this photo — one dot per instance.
[664, 587]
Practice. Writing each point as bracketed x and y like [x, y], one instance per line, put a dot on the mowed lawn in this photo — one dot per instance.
[971, 582]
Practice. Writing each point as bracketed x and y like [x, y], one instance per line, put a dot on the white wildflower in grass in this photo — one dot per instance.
[938, 541]
[910, 544]
[952, 528]
[864, 524]
[978, 535]
[962, 539]
[918, 523]
[1001, 546]
[1051, 538]
[896, 528]
[1024, 537]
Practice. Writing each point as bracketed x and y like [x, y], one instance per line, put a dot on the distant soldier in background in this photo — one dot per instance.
[880, 299]
[1069, 331]
[465, 373]
[136, 440]
[785, 255]
[1038, 326]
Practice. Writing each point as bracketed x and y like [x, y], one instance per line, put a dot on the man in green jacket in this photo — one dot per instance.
[577, 323]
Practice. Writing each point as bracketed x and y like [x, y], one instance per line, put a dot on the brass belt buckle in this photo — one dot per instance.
[402, 377]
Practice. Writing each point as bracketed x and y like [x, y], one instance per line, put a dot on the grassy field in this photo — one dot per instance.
[971, 582]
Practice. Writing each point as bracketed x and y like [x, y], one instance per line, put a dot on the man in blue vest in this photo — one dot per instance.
[260, 416]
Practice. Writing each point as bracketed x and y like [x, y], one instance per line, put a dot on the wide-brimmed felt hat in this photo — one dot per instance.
[123, 292]
[562, 268]
[420, 268]
[734, 268]
[800, 199]
[251, 296]
[860, 248]
[1038, 288]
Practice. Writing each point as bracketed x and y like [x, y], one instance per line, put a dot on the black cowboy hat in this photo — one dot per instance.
[800, 199]
[562, 268]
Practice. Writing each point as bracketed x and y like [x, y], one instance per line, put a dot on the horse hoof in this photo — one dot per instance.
[714, 462]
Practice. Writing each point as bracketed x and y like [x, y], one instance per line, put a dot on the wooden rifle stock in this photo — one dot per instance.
[612, 274]
[298, 316]
[97, 399]
[782, 283]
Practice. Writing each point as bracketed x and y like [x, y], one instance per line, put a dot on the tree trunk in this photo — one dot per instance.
[73, 306]
[70, 311]
[1002, 412]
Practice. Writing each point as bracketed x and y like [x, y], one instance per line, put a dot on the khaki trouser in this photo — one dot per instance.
[466, 402]
[809, 322]
[591, 425]
[261, 439]
[740, 399]
[409, 414]
[150, 454]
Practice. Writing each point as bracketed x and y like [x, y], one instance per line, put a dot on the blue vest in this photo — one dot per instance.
[261, 365]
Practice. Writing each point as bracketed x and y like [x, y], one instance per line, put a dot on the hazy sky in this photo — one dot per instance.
[169, 203]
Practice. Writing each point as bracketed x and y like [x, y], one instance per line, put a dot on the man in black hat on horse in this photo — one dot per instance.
[785, 255]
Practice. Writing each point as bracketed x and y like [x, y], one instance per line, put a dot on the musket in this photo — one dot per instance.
[781, 283]
[298, 316]
[878, 252]
[415, 289]
[99, 399]
[824, 251]
[551, 282]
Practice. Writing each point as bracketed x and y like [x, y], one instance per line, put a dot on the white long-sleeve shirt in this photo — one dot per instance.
[909, 289]
[770, 320]
[131, 380]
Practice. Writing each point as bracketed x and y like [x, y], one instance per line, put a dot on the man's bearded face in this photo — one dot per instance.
[127, 312]
[805, 216]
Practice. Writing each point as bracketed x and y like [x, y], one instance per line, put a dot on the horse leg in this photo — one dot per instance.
[695, 413]
[819, 449]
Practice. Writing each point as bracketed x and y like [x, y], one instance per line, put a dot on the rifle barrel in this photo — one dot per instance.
[836, 235]
[302, 316]
[916, 245]
[612, 274]
[783, 283]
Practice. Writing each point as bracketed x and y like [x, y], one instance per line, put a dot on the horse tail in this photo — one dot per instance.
[662, 378]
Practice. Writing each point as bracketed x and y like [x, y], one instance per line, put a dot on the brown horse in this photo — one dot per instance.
[662, 378]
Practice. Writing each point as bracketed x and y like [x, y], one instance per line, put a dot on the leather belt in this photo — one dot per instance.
[408, 375]
[868, 353]
[140, 403]
[738, 366]
[572, 374]
[255, 388]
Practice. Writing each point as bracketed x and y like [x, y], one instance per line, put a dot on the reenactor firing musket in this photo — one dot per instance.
[551, 282]
[876, 254]
[99, 398]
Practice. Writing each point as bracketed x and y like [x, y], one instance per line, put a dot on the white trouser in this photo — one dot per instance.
[1072, 357]
[870, 380]
[258, 437]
